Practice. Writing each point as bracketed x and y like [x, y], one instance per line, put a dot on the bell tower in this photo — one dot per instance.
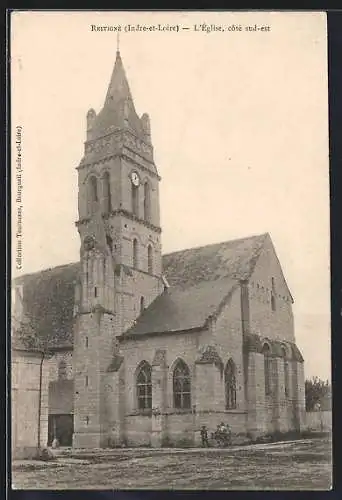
[119, 228]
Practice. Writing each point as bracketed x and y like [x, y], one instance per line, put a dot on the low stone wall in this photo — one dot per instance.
[138, 430]
[319, 420]
[182, 428]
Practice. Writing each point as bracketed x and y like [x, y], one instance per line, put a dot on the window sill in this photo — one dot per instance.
[234, 410]
[143, 413]
[171, 411]
[178, 411]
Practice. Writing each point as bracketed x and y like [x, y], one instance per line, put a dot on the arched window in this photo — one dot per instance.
[62, 370]
[135, 199]
[286, 371]
[135, 253]
[107, 199]
[144, 386]
[181, 386]
[142, 304]
[267, 368]
[93, 195]
[150, 259]
[147, 201]
[230, 384]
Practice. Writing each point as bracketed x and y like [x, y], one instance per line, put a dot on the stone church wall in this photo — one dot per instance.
[144, 237]
[228, 339]
[278, 324]
[182, 346]
[207, 393]
[54, 362]
[280, 412]
[138, 429]
[129, 303]
[178, 423]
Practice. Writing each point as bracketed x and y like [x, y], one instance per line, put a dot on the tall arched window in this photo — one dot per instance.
[135, 199]
[147, 201]
[93, 189]
[230, 384]
[144, 386]
[107, 199]
[286, 371]
[181, 386]
[135, 253]
[62, 370]
[150, 259]
[267, 368]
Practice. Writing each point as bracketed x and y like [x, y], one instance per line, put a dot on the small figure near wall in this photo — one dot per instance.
[222, 435]
[204, 437]
[55, 443]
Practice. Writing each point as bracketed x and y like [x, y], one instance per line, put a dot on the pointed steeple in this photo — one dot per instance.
[118, 88]
[118, 110]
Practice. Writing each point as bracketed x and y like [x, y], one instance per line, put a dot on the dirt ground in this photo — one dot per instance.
[296, 465]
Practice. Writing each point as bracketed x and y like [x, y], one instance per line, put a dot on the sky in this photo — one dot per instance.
[239, 123]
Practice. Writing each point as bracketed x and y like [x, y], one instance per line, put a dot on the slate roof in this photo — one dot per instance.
[48, 298]
[200, 280]
[233, 259]
[182, 309]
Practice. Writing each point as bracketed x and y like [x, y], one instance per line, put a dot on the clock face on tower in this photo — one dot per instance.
[135, 179]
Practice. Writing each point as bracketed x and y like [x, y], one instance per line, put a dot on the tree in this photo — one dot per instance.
[316, 391]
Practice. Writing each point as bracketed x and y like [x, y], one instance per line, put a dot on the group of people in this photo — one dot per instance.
[222, 434]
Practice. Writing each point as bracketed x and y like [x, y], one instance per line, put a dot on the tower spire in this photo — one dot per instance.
[118, 109]
[118, 42]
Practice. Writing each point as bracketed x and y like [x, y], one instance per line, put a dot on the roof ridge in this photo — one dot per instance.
[53, 268]
[77, 263]
[262, 235]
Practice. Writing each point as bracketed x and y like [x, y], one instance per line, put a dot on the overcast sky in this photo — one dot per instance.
[239, 126]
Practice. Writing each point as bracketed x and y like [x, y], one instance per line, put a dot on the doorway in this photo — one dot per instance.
[62, 427]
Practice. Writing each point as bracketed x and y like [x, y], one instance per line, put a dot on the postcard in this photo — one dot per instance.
[170, 323]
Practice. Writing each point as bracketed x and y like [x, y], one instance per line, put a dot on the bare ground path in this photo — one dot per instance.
[291, 465]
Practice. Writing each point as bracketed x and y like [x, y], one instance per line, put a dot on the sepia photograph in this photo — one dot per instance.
[170, 309]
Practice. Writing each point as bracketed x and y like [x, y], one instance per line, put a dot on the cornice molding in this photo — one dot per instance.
[125, 213]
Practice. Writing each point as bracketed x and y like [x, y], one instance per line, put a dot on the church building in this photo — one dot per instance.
[132, 347]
